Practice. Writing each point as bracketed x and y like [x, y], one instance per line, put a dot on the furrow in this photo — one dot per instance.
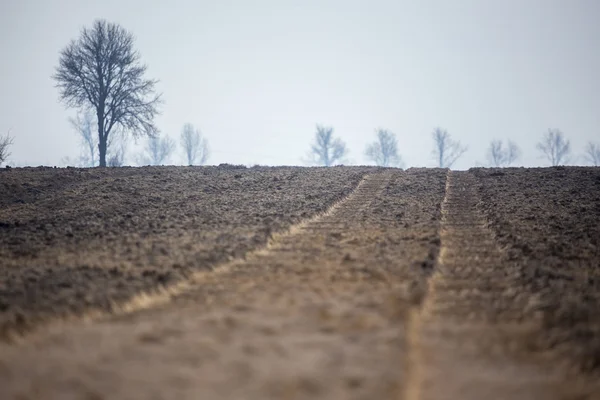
[469, 339]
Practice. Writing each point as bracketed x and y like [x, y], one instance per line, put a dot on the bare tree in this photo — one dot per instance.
[446, 150]
[500, 156]
[384, 151]
[513, 153]
[117, 148]
[496, 153]
[101, 70]
[5, 142]
[592, 153]
[157, 151]
[194, 145]
[555, 147]
[327, 150]
[116, 159]
[84, 125]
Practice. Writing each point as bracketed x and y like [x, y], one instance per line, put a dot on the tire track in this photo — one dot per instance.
[118, 237]
[320, 313]
[160, 295]
[471, 337]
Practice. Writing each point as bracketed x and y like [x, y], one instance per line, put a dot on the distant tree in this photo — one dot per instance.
[555, 147]
[101, 70]
[5, 142]
[327, 150]
[500, 156]
[384, 151]
[157, 151]
[117, 149]
[83, 124]
[194, 145]
[592, 153]
[446, 150]
[116, 160]
[496, 153]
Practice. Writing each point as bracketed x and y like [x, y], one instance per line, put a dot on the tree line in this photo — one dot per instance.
[156, 150]
[328, 150]
[101, 75]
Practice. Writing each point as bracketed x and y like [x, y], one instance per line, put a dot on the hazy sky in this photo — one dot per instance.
[257, 75]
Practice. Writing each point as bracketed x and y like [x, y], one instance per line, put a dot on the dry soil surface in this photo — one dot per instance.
[77, 240]
[417, 284]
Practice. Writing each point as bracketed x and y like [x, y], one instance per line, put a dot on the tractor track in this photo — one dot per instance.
[398, 291]
[473, 336]
[162, 295]
[84, 243]
[319, 313]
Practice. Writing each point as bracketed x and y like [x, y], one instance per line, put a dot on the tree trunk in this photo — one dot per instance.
[102, 142]
[102, 151]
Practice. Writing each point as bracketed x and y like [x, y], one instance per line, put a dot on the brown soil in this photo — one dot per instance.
[548, 219]
[421, 284]
[72, 240]
[477, 333]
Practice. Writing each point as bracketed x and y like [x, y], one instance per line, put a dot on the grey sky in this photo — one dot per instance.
[256, 76]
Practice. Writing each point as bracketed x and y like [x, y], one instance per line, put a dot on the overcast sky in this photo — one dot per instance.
[257, 75]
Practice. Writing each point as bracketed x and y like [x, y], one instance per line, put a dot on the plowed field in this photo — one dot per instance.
[303, 283]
